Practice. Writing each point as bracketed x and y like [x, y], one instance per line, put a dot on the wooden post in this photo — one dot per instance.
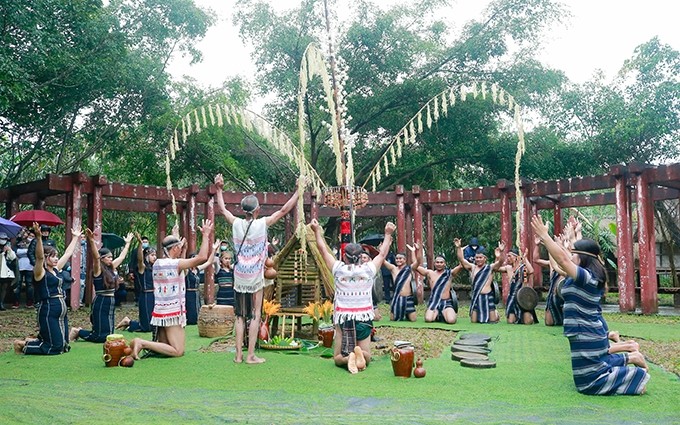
[74, 216]
[557, 218]
[401, 219]
[417, 216]
[429, 245]
[313, 207]
[191, 218]
[506, 230]
[624, 241]
[94, 222]
[161, 231]
[647, 246]
[209, 272]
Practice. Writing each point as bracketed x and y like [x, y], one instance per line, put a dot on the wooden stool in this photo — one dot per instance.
[294, 317]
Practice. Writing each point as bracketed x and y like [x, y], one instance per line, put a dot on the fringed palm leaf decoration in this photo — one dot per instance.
[216, 114]
[437, 107]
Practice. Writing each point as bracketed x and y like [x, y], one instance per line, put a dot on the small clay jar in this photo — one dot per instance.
[419, 371]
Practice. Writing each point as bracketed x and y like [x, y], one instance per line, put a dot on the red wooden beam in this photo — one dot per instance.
[209, 287]
[401, 219]
[417, 216]
[647, 246]
[624, 242]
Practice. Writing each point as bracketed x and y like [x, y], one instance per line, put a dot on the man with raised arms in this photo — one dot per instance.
[482, 306]
[402, 306]
[440, 307]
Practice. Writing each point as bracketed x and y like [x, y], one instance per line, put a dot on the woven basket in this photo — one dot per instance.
[215, 320]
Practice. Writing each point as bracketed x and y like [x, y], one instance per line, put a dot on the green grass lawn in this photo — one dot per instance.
[531, 384]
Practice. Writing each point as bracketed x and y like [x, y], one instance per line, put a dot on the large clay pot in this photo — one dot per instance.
[402, 361]
[326, 336]
[263, 333]
[114, 349]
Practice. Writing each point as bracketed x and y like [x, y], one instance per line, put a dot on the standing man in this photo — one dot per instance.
[250, 244]
[482, 306]
[353, 307]
[440, 307]
[403, 304]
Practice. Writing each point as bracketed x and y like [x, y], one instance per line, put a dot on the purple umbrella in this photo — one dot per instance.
[11, 228]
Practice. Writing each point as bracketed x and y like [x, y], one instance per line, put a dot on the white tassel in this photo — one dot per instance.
[176, 141]
[227, 113]
[420, 122]
[205, 122]
[463, 92]
[474, 90]
[484, 90]
[218, 112]
[377, 172]
[501, 97]
[511, 103]
[387, 168]
[197, 123]
[406, 136]
[452, 96]
[399, 144]
[184, 132]
[171, 145]
[411, 133]
[435, 113]
[494, 93]
[428, 117]
[445, 108]
[393, 155]
[212, 115]
[188, 117]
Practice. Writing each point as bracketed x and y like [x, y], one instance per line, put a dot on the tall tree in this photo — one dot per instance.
[78, 78]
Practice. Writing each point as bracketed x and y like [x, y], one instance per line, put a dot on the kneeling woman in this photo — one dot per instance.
[353, 303]
[596, 371]
[146, 258]
[105, 283]
[169, 312]
[52, 319]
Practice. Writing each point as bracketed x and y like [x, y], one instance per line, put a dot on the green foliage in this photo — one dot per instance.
[80, 79]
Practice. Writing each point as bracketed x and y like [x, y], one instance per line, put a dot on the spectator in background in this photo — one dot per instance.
[7, 267]
[45, 235]
[83, 268]
[66, 282]
[25, 277]
[471, 250]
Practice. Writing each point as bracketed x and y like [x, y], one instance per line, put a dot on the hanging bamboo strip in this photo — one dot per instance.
[205, 122]
[393, 155]
[428, 117]
[184, 132]
[445, 107]
[188, 118]
[420, 122]
[435, 113]
[197, 123]
[218, 112]
[212, 115]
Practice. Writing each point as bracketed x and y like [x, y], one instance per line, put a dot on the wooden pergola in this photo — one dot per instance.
[626, 186]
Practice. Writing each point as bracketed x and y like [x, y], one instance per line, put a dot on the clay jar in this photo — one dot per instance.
[419, 371]
[402, 361]
[114, 349]
[326, 336]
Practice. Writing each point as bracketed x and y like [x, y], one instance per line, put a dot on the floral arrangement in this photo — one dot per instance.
[270, 308]
[322, 313]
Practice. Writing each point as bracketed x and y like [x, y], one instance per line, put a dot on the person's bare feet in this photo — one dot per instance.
[19, 345]
[123, 324]
[253, 359]
[352, 363]
[360, 359]
[614, 336]
[73, 334]
[136, 346]
[238, 359]
[638, 359]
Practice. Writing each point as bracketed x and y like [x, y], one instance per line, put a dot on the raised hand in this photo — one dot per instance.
[390, 228]
[216, 245]
[540, 228]
[501, 246]
[36, 229]
[129, 237]
[314, 225]
[76, 232]
[207, 227]
[88, 233]
[219, 181]
[456, 242]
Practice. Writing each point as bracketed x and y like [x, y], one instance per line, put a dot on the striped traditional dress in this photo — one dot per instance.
[102, 313]
[52, 318]
[595, 370]
[252, 251]
[553, 303]
[353, 290]
[483, 304]
[169, 294]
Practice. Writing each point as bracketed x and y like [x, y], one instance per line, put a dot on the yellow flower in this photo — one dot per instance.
[270, 307]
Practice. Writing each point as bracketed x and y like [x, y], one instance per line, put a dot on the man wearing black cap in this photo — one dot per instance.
[7, 267]
[45, 233]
